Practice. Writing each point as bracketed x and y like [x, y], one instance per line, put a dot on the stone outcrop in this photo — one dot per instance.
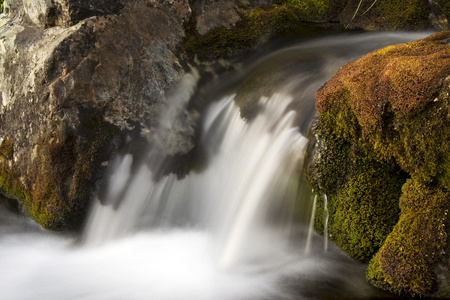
[382, 158]
[76, 79]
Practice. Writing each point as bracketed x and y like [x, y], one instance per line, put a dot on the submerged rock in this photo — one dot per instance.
[382, 158]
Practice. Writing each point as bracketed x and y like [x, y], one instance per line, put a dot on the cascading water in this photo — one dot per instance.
[240, 228]
[252, 169]
[325, 222]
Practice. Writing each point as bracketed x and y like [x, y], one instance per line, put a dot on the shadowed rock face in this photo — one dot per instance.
[383, 121]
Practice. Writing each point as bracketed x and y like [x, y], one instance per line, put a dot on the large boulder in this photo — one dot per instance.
[71, 94]
[382, 160]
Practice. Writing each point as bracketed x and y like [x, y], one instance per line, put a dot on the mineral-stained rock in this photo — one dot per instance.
[69, 95]
[383, 135]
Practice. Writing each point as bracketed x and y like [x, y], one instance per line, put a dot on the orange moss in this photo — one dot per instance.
[404, 77]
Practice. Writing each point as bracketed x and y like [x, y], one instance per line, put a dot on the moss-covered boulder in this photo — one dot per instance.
[382, 158]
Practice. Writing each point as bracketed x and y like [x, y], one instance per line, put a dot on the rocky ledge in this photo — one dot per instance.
[382, 160]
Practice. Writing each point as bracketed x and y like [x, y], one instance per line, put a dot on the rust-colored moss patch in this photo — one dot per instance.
[405, 77]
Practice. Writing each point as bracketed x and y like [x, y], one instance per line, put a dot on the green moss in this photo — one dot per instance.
[10, 186]
[387, 14]
[365, 208]
[256, 26]
[310, 8]
[6, 148]
[404, 265]
[362, 190]
[446, 10]
[362, 203]
[408, 14]
[58, 186]
[1, 6]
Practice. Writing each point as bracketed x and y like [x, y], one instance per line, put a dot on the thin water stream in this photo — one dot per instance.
[240, 228]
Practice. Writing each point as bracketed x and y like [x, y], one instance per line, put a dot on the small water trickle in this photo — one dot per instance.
[325, 222]
[311, 225]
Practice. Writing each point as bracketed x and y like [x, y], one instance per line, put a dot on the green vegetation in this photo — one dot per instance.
[386, 14]
[259, 24]
[56, 190]
[362, 191]
[256, 26]
[381, 120]
[404, 265]
[1, 6]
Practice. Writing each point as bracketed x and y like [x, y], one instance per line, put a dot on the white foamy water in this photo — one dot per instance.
[155, 265]
[253, 171]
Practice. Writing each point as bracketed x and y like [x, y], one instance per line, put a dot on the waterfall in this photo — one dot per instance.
[244, 198]
[235, 228]
[311, 225]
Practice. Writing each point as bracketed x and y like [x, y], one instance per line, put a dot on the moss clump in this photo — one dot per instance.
[6, 148]
[57, 187]
[386, 14]
[310, 8]
[404, 265]
[256, 26]
[362, 197]
[382, 119]
[1, 6]
[374, 83]
[318, 10]
[365, 208]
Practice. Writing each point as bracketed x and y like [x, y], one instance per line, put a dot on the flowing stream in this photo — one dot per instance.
[238, 228]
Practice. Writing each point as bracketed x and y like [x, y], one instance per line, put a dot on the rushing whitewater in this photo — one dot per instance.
[253, 172]
[238, 228]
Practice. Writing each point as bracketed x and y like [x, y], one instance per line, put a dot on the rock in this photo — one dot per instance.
[214, 13]
[382, 145]
[395, 15]
[70, 96]
[49, 13]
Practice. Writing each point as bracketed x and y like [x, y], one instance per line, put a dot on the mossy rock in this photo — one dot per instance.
[257, 25]
[365, 208]
[382, 119]
[386, 14]
[399, 97]
[405, 264]
[67, 165]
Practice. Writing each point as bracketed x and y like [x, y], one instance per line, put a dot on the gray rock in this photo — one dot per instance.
[70, 94]
[215, 13]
